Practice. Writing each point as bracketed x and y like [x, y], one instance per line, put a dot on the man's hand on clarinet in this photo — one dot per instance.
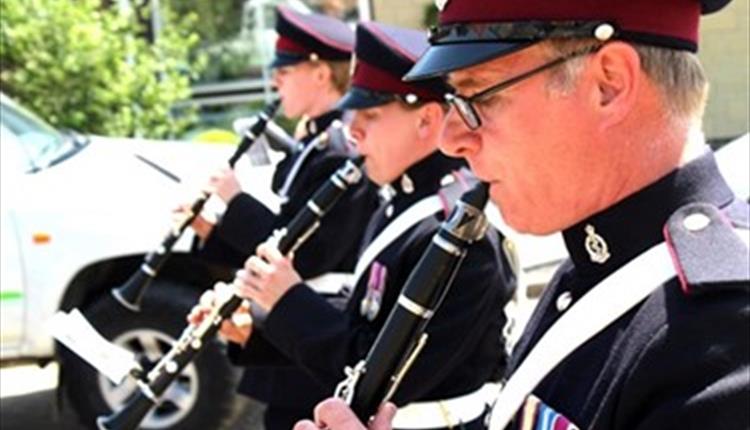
[335, 414]
[200, 225]
[224, 184]
[267, 276]
[236, 329]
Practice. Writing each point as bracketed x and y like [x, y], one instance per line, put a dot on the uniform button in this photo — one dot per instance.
[696, 221]
[389, 211]
[564, 300]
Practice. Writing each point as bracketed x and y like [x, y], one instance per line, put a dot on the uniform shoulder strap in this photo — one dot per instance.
[456, 183]
[338, 139]
[709, 253]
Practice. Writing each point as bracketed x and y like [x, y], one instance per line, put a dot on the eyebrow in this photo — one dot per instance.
[473, 83]
[470, 82]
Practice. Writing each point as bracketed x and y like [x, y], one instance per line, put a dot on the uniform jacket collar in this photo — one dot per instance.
[636, 223]
[317, 125]
[423, 178]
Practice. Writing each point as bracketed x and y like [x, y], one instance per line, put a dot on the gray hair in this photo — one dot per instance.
[677, 74]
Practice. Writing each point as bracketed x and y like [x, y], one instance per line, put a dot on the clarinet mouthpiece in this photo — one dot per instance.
[478, 196]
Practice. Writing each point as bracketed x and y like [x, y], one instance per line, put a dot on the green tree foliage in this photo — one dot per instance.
[231, 54]
[430, 15]
[89, 68]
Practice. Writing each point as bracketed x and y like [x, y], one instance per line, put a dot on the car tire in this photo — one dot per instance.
[202, 397]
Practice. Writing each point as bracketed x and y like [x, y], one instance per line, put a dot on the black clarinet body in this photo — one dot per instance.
[374, 380]
[130, 294]
[190, 343]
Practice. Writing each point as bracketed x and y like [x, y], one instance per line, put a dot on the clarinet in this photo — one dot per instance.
[190, 343]
[374, 380]
[130, 294]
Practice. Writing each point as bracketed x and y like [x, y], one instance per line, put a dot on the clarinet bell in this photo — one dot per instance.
[130, 294]
[129, 417]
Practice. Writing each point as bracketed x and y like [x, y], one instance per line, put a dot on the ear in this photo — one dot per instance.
[618, 77]
[323, 73]
[429, 120]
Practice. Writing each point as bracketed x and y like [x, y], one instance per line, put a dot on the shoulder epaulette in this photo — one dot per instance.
[337, 139]
[454, 185]
[708, 252]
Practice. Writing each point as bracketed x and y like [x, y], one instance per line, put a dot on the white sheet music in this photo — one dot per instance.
[75, 332]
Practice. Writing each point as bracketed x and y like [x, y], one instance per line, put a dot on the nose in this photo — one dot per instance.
[456, 139]
[276, 78]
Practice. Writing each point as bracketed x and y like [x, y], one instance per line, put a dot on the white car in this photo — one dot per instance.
[78, 215]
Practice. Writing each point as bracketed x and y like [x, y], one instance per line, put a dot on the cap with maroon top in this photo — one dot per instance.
[383, 55]
[310, 37]
[471, 32]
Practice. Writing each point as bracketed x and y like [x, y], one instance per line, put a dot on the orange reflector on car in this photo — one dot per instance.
[41, 238]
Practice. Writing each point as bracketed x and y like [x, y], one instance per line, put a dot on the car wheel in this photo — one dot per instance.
[201, 397]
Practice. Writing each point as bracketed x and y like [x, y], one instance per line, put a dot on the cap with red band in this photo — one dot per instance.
[471, 32]
[305, 37]
[383, 54]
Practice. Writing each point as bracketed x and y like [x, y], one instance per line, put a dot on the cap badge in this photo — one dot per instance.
[596, 246]
[441, 4]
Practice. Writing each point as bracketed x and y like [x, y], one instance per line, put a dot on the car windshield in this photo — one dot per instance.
[41, 143]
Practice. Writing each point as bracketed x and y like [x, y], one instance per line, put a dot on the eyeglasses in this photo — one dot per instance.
[465, 105]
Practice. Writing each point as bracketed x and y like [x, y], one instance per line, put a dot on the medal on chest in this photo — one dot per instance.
[370, 304]
[535, 415]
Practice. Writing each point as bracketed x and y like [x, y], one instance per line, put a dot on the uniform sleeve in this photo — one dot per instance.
[465, 333]
[694, 371]
[333, 246]
[245, 224]
[256, 352]
[324, 340]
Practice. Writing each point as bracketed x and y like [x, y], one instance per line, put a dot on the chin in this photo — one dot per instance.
[372, 173]
[522, 219]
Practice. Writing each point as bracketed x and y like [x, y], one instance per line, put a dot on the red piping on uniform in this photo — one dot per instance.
[676, 262]
[460, 178]
[444, 202]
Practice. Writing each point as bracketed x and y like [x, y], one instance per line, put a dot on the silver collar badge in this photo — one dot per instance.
[596, 246]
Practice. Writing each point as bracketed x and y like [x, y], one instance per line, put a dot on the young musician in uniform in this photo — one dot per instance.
[310, 67]
[311, 72]
[585, 117]
[396, 127]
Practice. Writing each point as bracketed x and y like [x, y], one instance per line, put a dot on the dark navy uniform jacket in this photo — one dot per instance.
[333, 248]
[247, 222]
[465, 349]
[680, 359]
